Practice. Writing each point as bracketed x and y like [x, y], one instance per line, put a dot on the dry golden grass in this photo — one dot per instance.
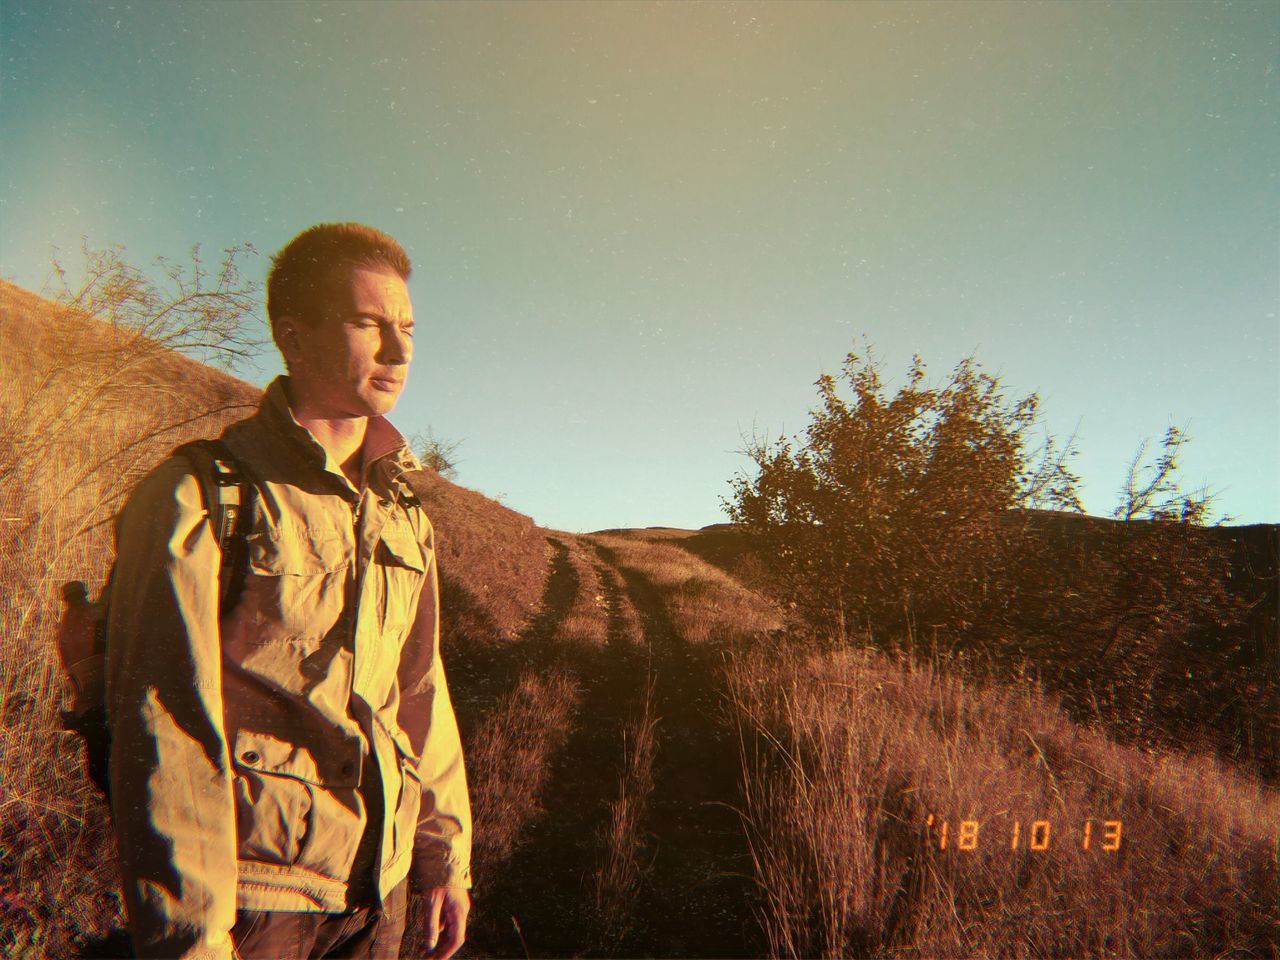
[707, 604]
[492, 560]
[511, 750]
[622, 868]
[586, 622]
[847, 756]
[69, 445]
[681, 850]
[588, 658]
[624, 620]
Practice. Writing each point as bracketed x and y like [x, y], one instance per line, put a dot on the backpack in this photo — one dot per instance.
[82, 630]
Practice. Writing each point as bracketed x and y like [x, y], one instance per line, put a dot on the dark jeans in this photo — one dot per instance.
[363, 933]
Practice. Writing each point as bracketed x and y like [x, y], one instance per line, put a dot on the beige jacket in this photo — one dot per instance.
[243, 750]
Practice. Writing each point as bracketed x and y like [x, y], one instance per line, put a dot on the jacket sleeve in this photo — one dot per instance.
[442, 843]
[170, 769]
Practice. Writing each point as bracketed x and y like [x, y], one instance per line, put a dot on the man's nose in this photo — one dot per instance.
[397, 346]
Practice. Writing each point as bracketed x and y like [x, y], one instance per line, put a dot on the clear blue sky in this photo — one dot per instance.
[641, 229]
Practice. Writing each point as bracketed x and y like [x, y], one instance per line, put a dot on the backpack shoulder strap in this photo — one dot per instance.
[229, 503]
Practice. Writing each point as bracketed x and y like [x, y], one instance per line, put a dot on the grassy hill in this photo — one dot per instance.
[660, 764]
[1208, 684]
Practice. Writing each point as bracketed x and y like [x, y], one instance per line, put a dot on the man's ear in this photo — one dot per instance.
[286, 336]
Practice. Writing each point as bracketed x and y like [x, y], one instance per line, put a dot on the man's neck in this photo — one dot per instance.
[341, 437]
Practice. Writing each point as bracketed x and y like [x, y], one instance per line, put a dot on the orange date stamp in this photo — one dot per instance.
[1038, 835]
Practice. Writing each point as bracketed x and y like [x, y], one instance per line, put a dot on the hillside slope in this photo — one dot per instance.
[658, 765]
[1205, 683]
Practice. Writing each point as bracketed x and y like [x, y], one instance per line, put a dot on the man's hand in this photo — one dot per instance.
[447, 909]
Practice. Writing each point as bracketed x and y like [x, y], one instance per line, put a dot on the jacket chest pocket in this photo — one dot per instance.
[295, 587]
[400, 562]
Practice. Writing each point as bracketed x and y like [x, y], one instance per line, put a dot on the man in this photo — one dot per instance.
[279, 770]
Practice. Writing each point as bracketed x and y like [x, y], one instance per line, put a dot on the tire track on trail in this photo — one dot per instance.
[487, 685]
[625, 631]
[480, 674]
[697, 900]
[542, 901]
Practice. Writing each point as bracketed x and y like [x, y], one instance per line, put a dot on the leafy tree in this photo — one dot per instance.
[894, 510]
[934, 513]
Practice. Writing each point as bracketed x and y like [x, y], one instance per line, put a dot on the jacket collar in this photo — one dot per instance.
[387, 453]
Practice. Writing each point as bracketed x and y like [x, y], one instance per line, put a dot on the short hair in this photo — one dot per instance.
[300, 274]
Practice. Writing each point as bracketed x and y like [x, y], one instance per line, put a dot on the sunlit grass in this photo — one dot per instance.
[847, 754]
[853, 763]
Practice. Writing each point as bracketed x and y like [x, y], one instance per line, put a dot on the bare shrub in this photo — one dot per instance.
[434, 452]
[176, 307]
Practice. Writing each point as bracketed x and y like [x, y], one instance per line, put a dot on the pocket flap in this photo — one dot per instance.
[300, 552]
[338, 767]
[397, 546]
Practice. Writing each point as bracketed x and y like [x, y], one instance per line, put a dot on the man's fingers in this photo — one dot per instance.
[433, 918]
[449, 943]
[455, 926]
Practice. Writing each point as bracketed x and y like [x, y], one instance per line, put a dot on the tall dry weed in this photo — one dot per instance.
[509, 759]
[853, 764]
[69, 451]
[624, 865]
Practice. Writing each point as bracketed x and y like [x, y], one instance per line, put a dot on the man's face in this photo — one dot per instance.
[353, 362]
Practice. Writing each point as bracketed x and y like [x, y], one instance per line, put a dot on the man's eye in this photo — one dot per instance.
[408, 331]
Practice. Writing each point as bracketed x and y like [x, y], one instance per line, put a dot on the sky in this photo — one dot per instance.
[642, 231]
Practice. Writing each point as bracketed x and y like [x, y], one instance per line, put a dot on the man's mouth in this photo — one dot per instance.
[386, 383]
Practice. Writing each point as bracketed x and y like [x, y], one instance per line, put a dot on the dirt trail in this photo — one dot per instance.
[695, 901]
[479, 674]
[545, 888]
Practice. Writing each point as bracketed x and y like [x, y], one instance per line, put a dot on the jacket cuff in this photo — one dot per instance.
[433, 870]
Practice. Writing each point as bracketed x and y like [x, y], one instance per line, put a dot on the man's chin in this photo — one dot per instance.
[379, 402]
